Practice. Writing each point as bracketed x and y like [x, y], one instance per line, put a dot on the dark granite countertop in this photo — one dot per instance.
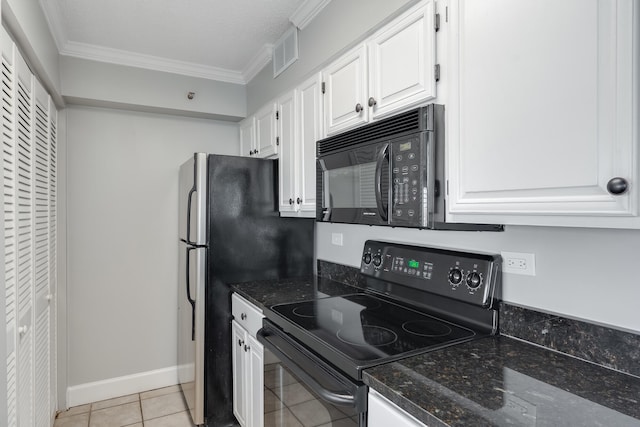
[266, 293]
[500, 381]
[493, 381]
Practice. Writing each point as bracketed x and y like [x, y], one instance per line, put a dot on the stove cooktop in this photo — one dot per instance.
[455, 290]
[364, 330]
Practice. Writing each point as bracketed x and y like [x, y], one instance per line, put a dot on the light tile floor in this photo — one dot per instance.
[163, 407]
[287, 403]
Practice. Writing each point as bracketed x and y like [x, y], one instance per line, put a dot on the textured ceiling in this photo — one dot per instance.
[214, 34]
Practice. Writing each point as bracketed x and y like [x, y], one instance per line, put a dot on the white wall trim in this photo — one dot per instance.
[130, 59]
[308, 10]
[258, 62]
[121, 386]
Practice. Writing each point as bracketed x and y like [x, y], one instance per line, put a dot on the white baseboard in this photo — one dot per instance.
[121, 386]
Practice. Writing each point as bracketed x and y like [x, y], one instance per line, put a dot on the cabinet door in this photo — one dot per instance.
[402, 62]
[310, 122]
[541, 120]
[384, 413]
[266, 144]
[255, 383]
[287, 165]
[247, 136]
[240, 401]
[345, 98]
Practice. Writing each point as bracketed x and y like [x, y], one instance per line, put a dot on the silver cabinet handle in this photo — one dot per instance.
[22, 330]
[358, 107]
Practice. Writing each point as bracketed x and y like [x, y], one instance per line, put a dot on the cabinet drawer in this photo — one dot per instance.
[246, 314]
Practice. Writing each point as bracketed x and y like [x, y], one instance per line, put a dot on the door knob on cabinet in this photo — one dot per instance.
[358, 107]
[247, 348]
[298, 200]
[240, 343]
[290, 201]
[22, 330]
[372, 101]
[617, 186]
[243, 316]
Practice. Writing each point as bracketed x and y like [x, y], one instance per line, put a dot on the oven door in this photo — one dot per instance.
[355, 185]
[332, 396]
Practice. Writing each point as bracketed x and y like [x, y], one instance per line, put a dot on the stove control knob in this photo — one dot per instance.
[474, 280]
[367, 258]
[455, 276]
[377, 260]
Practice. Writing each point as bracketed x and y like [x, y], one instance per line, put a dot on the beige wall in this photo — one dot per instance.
[122, 173]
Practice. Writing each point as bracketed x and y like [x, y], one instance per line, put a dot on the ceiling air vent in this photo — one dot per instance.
[285, 51]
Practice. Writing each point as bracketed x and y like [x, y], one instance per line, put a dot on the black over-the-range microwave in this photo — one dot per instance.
[389, 172]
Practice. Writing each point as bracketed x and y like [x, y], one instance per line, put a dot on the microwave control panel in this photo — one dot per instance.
[409, 190]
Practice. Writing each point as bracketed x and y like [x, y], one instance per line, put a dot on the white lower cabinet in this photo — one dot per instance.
[384, 413]
[248, 364]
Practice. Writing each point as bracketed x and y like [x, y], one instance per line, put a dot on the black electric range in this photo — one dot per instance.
[416, 299]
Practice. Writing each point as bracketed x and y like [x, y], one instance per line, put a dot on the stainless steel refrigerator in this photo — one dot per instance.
[230, 231]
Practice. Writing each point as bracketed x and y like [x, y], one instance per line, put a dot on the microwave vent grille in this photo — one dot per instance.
[386, 128]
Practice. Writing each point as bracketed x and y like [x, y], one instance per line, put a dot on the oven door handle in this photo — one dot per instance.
[382, 155]
[277, 344]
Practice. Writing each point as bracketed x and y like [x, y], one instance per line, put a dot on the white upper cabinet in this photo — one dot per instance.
[287, 166]
[402, 61]
[391, 71]
[310, 130]
[248, 136]
[266, 144]
[543, 112]
[299, 127]
[346, 91]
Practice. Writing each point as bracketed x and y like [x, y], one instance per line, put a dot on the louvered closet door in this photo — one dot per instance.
[9, 271]
[53, 258]
[25, 236]
[41, 253]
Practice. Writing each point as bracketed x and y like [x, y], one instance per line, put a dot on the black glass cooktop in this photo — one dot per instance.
[367, 329]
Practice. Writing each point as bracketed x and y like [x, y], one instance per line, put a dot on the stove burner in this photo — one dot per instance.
[426, 328]
[367, 335]
[305, 311]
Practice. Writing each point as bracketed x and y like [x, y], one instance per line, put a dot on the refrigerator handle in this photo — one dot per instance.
[191, 300]
[191, 193]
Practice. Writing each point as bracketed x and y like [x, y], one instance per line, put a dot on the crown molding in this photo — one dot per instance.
[53, 16]
[258, 62]
[308, 10]
[130, 59]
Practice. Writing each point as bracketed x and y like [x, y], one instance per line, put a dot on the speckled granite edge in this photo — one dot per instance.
[341, 273]
[601, 345]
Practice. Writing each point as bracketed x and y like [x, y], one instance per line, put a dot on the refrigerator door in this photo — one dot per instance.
[191, 328]
[192, 200]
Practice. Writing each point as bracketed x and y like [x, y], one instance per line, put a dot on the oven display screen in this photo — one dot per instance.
[405, 146]
[412, 263]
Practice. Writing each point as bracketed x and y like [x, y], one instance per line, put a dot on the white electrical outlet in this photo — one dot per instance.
[336, 239]
[519, 263]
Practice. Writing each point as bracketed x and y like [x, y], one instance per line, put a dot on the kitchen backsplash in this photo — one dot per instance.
[597, 344]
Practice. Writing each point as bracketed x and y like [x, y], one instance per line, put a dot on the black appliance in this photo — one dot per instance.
[230, 231]
[417, 299]
[389, 172]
